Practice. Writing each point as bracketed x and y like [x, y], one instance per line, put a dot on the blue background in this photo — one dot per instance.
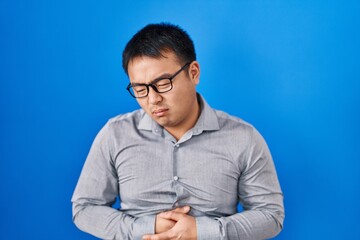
[291, 68]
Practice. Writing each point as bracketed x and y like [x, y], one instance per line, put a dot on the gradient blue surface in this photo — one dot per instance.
[291, 68]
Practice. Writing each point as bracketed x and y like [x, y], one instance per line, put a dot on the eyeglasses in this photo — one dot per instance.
[160, 85]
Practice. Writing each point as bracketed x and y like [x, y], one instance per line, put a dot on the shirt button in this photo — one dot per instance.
[177, 145]
[176, 178]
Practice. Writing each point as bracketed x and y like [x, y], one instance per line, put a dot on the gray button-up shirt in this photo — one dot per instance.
[218, 163]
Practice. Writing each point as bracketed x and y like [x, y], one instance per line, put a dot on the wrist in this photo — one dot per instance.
[143, 225]
[207, 228]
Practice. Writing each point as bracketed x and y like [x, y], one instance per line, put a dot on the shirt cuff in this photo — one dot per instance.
[207, 228]
[142, 226]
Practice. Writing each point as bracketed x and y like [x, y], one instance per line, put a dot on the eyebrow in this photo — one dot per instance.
[162, 76]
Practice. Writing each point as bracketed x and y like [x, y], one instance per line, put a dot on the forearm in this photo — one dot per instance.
[252, 224]
[107, 223]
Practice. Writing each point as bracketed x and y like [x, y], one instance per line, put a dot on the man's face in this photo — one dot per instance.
[178, 109]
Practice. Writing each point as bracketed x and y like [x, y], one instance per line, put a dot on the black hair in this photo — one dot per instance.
[155, 39]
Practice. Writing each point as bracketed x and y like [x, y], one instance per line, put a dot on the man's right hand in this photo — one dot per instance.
[163, 225]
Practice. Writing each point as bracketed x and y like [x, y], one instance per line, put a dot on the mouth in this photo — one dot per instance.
[160, 112]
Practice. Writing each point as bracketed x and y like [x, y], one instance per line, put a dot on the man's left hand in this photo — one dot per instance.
[184, 229]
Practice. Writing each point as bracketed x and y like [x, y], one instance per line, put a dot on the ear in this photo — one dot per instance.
[194, 72]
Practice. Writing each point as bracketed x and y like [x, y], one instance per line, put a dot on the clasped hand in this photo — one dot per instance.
[174, 225]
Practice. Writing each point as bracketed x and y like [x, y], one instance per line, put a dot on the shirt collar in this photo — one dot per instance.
[207, 121]
[146, 122]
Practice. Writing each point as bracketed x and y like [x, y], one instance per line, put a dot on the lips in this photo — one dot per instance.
[160, 112]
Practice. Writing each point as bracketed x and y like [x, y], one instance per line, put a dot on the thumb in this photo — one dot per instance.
[184, 209]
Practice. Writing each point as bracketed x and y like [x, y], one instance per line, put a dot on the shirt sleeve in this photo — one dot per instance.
[96, 192]
[260, 194]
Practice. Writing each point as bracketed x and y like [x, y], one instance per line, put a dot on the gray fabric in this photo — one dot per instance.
[220, 161]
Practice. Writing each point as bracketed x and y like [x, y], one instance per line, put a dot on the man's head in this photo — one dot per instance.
[163, 73]
[155, 39]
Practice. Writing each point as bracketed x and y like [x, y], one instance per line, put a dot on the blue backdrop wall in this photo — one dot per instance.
[291, 68]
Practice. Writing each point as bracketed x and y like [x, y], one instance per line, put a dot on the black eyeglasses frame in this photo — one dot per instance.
[152, 84]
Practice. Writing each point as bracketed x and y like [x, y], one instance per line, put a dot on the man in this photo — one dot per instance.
[178, 166]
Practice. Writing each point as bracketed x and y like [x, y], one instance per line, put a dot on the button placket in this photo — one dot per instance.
[175, 179]
[175, 150]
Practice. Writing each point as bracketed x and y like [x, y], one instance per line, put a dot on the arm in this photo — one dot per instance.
[95, 193]
[260, 194]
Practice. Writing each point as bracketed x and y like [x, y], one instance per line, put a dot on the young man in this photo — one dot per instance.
[178, 166]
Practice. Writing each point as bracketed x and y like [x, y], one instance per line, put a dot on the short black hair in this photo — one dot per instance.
[155, 39]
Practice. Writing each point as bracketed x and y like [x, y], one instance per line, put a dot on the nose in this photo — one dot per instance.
[154, 97]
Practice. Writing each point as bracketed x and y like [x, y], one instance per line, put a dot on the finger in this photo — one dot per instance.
[162, 224]
[172, 215]
[160, 236]
[146, 237]
[184, 209]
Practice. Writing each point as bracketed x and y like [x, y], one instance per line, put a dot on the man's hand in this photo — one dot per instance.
[163, 224]
[184, 226]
